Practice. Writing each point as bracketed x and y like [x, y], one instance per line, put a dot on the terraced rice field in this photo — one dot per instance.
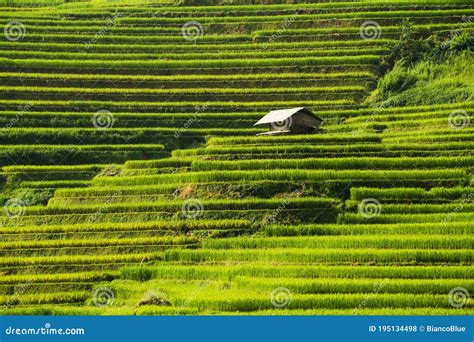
[127, 129]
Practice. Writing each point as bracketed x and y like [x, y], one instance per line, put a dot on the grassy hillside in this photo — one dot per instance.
[133, 182]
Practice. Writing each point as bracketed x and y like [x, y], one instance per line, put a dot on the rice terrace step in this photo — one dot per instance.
[134, 180]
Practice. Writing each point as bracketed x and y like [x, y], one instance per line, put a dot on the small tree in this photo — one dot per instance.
[409, 49]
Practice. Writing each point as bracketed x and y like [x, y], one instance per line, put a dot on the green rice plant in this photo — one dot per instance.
[75, 154]
[418, 125]
[181, 107]
[422, 208]
[175, 225]
[208, 9]
[259, 269]
[114, 191]
[124, 119]
[350, 311]
[329, 268]
[252, 20]
[139, 136]
[50, 168]
[424, 131]
[166, 241]
[362, 285]
[289, 149]
[45, 298]
[188, 56]
[197, 153]
[177, 91]
[401, 117]
[257, 14]
[324, 209]
[182, 79]
[158, 163]
[55, 184]
[300, 139]
[228, 190]
[431, 138]
[123, 39]
[152, 171]
[236, 301]
[78, 259]
[440, 218]
[369, 229]
[89, 200]
[50, 175]
[334, 163]
[68, 310]
[99, 217]
[411, 194]
[59, 277]
[165, 48]
[377, 241]
[359, 115]
[323, 256]
[287, 175]
[277, 150]
[314, 31]
[86, 147]
[202, 64]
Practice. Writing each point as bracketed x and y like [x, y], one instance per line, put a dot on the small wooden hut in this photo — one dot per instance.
[290, 121]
